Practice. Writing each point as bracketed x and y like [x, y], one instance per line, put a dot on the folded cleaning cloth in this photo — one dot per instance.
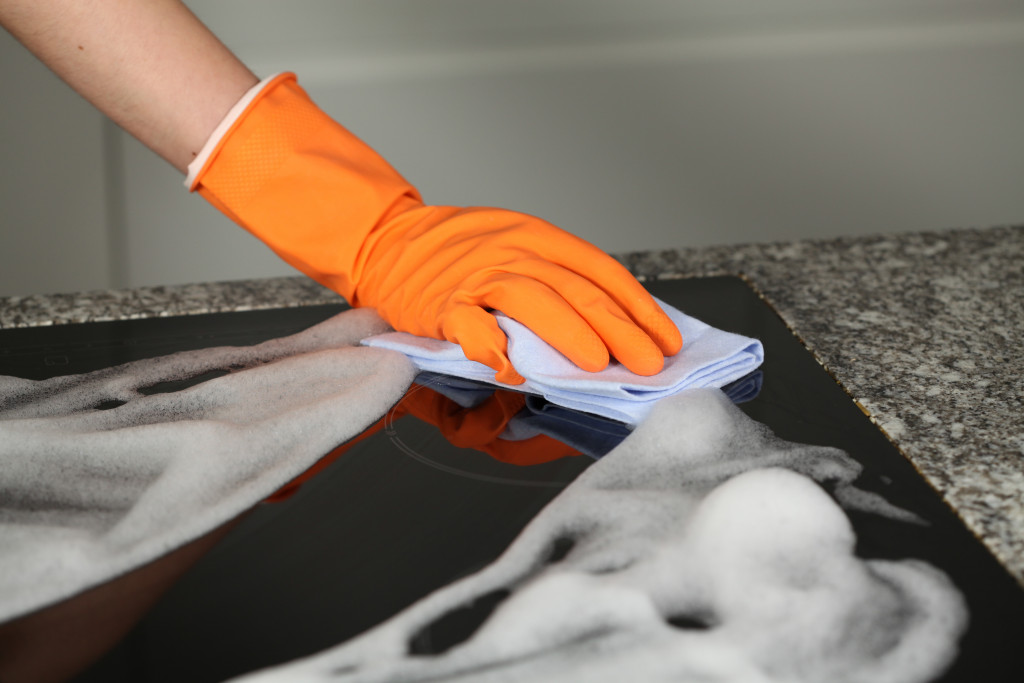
[711, 358]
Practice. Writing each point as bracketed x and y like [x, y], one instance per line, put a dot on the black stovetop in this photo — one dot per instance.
[402, 512]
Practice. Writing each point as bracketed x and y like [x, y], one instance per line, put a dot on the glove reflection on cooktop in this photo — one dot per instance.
[510, 426]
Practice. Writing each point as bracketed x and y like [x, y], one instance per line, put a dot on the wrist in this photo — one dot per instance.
[220, 133]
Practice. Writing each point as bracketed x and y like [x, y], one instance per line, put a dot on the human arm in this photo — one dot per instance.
[152, 66]
[329, 205]
[333, 208]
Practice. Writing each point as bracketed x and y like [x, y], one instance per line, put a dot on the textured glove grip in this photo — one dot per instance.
[303, 184]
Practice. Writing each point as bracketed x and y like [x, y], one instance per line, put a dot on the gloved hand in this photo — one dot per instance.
[334, 209]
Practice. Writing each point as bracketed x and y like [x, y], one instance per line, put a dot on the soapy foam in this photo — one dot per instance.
[701, 549]
[89, 491]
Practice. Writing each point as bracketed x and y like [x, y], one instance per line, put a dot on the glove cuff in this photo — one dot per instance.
[220, 133]
[313, 192]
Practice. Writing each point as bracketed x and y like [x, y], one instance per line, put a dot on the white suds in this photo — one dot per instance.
[87, 493]
[701, 549]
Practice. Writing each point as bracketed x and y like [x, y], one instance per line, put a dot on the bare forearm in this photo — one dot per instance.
[149, 65]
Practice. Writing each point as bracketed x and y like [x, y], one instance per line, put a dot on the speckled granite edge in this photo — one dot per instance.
[165, 301]
[923, 330]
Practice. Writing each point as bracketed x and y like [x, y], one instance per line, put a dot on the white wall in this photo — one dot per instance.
[641, 124]
[53, 225]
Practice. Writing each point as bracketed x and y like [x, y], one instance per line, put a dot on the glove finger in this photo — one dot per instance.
[544, 312]
[477, 332]
[604, 272]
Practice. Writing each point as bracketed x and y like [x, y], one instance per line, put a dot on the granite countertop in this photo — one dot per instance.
[923, 330]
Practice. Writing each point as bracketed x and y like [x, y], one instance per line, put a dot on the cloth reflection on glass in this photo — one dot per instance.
[510, 426]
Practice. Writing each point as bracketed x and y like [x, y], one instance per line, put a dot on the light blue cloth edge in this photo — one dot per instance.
[711, 358]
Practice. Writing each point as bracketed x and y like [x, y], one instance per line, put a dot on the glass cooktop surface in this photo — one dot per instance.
[401, 511]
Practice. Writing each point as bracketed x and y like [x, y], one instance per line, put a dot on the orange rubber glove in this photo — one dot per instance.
[334, 209]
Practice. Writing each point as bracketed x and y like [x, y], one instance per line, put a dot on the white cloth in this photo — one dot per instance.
[711, 358]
